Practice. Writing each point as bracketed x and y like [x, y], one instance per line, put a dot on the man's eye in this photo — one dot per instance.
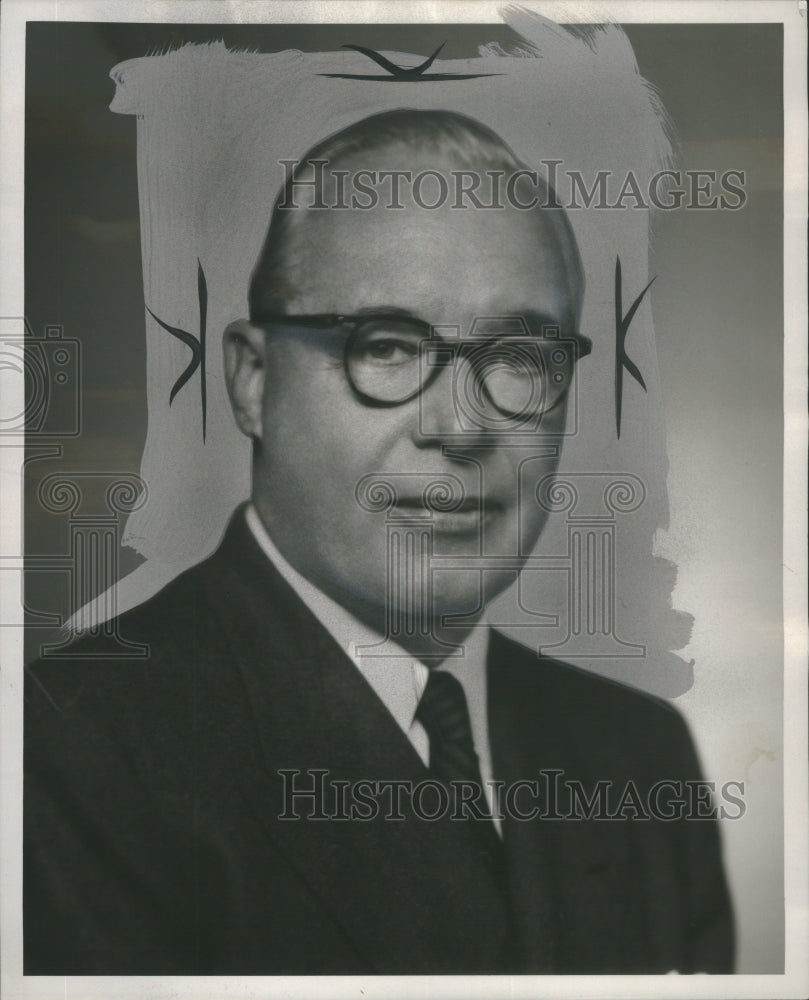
[389, 350]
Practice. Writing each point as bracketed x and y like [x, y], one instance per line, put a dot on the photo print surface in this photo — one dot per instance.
[403, 449]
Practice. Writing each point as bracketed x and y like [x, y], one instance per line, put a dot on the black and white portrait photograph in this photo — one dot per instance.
[403, 555]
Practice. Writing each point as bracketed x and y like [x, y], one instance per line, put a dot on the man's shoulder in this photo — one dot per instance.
[143, 664]
[588, 707]
[178, 653]
[169, 617]
[180, 616]
[134, 704]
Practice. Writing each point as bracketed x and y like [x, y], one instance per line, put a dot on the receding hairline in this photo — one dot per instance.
[460, 141]
[413, 128]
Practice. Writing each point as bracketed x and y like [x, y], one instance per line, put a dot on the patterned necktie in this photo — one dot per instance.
[444, 714]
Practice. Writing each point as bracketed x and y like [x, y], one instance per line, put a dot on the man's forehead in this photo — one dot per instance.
[447, 260]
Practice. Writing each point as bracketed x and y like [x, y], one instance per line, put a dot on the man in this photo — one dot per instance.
[303, 777]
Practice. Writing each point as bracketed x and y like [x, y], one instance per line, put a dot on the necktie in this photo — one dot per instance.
[445, 716]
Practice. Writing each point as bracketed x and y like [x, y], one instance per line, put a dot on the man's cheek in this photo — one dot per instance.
[531, 519]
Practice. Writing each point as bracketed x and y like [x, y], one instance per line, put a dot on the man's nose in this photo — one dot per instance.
[452, 408]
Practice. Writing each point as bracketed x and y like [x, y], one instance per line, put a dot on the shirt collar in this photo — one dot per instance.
[397, 677]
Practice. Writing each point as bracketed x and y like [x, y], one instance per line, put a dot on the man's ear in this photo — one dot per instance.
[244, 348]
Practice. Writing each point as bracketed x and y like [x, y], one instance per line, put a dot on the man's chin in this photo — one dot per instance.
[419, 603]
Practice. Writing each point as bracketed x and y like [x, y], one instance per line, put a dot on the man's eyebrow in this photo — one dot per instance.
[538, 321]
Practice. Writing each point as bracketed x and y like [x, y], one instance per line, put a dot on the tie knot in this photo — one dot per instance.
[443, 710]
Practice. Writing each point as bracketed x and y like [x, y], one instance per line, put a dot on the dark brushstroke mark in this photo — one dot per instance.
[197, 346]
[403, 74]
[622, 360]
[391, 67]
[202, 291]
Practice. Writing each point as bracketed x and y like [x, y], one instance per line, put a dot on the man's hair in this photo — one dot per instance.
[447, 135]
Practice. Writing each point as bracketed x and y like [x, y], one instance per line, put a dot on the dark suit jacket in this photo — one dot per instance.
[152, 796]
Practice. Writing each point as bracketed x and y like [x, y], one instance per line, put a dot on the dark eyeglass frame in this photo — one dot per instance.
[323, 322]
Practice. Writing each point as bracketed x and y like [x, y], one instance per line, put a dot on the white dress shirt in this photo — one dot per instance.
[398, 681]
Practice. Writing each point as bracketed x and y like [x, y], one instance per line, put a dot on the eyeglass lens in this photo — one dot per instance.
[392, 360]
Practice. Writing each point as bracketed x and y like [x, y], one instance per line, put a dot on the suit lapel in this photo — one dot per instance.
[408, 892]
[517, 753]
[569, 877]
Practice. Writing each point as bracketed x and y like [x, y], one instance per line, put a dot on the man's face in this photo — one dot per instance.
[320, 441]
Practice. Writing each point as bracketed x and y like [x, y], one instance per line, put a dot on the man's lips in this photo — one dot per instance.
[469, 504]
[470, 517]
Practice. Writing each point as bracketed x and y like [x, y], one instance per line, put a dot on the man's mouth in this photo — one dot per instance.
[437, 505]
[468, 516]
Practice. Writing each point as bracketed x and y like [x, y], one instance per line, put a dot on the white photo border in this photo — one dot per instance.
[795, 980]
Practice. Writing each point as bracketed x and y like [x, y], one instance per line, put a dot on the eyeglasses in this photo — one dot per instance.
[520, 367]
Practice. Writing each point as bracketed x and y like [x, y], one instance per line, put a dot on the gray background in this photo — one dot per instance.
[718, 309]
